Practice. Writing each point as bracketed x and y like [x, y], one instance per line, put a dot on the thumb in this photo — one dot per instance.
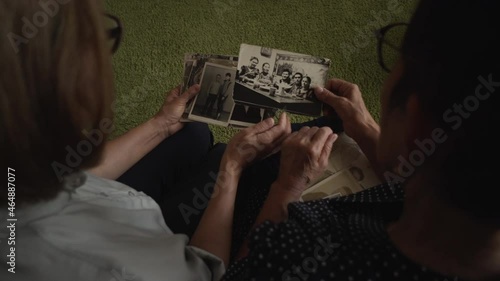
[190, 92]
[327, 148]
[327, 97]
[262, 126]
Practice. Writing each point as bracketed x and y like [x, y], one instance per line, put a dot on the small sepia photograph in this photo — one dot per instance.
[362, 171]
[214, 103]
[339, 184]
[272, 78]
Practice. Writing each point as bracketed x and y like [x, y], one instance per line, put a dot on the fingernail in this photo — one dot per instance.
[319, 90]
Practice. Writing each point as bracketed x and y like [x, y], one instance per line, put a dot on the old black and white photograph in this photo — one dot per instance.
[201, 59]
[214, 103]
[272, 78]
[194, 64]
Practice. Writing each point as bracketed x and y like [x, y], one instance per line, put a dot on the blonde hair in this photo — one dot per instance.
[55, 84]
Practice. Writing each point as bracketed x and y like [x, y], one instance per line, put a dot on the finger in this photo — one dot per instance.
[277, 133]
[321, 136]
[262, 126]
[303, 130]
[311, 132]
[281, 138]
[281, 120]
[288, 125]
[319, 139]
[284, 127]
[290, 137]
[176, 91]
[339, 86]
[327, 148]
[284, 123]
[190, 92]
[328, 97]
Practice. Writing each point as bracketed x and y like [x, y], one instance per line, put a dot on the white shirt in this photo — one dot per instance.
[101, 231]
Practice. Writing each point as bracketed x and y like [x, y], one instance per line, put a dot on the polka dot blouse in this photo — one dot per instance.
[337, 239]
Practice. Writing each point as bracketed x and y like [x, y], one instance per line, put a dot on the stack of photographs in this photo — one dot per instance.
[348, 171]
[216, 75]
[241, 91]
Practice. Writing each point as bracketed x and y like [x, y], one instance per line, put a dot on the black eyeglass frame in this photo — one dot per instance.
[380, 34]
[115, 33]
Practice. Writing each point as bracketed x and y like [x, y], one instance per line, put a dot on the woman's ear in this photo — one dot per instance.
[419, 126]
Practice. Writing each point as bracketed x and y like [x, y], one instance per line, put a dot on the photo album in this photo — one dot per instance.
[240, 91]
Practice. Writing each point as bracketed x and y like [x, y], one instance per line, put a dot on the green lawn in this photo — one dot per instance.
[158, 33]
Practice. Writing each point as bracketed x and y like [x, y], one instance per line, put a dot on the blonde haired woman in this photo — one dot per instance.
[73, 219]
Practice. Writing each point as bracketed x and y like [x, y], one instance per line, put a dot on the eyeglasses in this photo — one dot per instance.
[389, 39]
[113, 31]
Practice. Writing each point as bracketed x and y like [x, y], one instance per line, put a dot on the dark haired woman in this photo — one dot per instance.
[438, 216]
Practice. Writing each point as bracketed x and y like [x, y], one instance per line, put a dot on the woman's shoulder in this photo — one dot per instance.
[109, 222]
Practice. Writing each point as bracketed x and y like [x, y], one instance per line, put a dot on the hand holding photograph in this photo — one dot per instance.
[348, 171]
[257, 83]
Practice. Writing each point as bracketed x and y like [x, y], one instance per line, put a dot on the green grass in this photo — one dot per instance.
[157, 33]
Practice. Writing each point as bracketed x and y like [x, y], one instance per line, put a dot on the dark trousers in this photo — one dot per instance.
[220, 104]
[180, 173]
[175, 171]
[209, 104]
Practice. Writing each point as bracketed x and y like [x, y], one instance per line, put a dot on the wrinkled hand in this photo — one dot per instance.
[256, 142]
[346, 100]
[304, 156]
[169, 115]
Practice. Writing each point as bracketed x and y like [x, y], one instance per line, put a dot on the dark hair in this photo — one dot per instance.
[299, 74]
[450, 52]
[308, 79]
[254, 58]
[228, 74]
[286, 70]
[55, 90]
[265, 64]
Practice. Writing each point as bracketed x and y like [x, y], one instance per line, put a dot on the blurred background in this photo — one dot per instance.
[157, 34]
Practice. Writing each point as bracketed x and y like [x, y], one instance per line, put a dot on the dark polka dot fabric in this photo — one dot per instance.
[336, 239]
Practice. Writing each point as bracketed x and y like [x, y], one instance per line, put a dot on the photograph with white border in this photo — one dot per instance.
[194, 63]
[273, 78]
[214, 103]
[339, 184]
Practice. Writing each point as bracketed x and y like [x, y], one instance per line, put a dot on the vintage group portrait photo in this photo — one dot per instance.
[272, 78]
